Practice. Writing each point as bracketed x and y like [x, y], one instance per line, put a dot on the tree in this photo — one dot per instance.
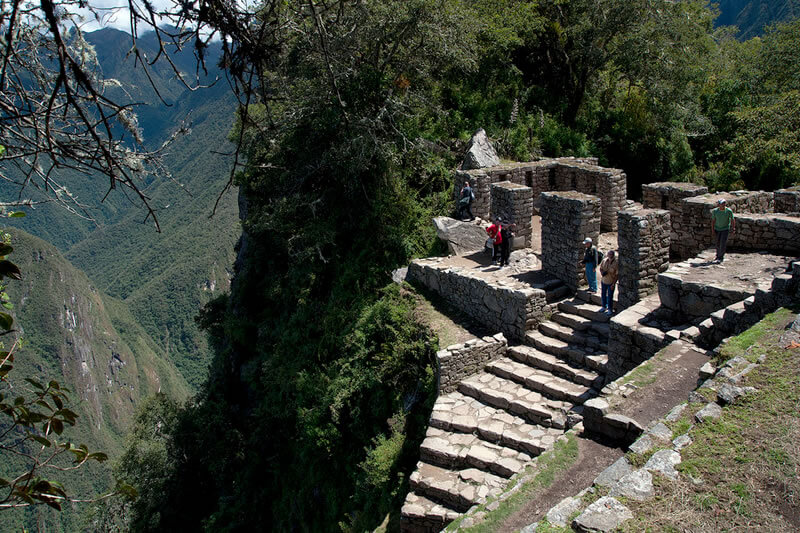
[56, 111]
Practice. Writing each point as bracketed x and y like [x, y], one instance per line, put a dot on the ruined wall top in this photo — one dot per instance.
[756, 202]
[665, 186]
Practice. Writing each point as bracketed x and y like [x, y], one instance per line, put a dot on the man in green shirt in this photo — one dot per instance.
[723, 224]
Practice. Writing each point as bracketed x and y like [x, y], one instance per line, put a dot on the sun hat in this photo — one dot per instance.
[587, 240]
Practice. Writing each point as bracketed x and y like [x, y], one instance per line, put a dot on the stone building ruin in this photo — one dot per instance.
[507, 397]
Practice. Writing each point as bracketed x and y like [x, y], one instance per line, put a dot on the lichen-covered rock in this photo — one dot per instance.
[461, 237]
[612, 474]
[638, 485]
[664, 462]
[711, 411]
[606, 514]
[560, 513]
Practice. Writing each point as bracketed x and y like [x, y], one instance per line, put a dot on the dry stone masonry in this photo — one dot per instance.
[644, 242]
[695, 234]
[509, 308]
[567, 219]
[670, 196]
[514, 203]
[562, 174]
[787, 201]
[459, 361]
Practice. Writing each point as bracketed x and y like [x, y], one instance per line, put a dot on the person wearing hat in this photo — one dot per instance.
[590, 259]
[723, 223]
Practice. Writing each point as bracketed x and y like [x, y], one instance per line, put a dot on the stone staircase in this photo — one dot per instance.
[512, 411]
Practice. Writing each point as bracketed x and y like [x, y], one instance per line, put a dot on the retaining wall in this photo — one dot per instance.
[460, 361]
[512, 310]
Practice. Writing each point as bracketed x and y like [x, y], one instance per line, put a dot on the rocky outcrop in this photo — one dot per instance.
[462, 238]
[480, 153]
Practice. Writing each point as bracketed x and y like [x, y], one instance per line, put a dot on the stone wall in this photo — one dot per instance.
[514, 203]
[510, 309]
[567, 219]
[784, 291]
[670, 196]
[631, 341]
[644, 242]
[560, 174]
[787, 201]
[460, 361]
[695, 228]
[775, 233]
[690, 300]
[609, 184]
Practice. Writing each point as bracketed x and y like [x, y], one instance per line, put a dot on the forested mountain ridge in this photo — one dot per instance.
[91, 344]
[752, 16]
[164, 278]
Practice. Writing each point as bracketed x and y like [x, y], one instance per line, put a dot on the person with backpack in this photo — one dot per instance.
[466, 197]
[609, 274]
[590, 259]
[495, 237]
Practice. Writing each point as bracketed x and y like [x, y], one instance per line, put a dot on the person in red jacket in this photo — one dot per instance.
[496, 238]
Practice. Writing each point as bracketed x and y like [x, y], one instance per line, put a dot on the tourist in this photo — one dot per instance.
[466, 196]
[590, 259]
[723, 223]
[609, 273]
[507, 234]
[495, 238]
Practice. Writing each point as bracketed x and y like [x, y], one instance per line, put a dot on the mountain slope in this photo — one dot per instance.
[751, 16]
[165, 277]
[90, 343]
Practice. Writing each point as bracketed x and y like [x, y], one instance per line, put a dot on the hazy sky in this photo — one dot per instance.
[113, 14]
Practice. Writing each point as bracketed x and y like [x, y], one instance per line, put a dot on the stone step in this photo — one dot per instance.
[455, 489]
[459, 413]
[461, 450]
[577, 355]
[556, 294]
[422, 515]
[597, 362]
[589, 297]
[569, 335]
[581, 308]
[505, 394]
[581, 323]
[541, 381]
[556, 365]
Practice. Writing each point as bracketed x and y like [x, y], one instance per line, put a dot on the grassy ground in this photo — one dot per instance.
[544, 471]
[742, 472]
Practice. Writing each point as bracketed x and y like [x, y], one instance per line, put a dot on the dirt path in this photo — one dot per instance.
[593, 458]
[661, 384]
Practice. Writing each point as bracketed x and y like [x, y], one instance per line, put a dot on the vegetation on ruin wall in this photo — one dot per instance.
[322, 380]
